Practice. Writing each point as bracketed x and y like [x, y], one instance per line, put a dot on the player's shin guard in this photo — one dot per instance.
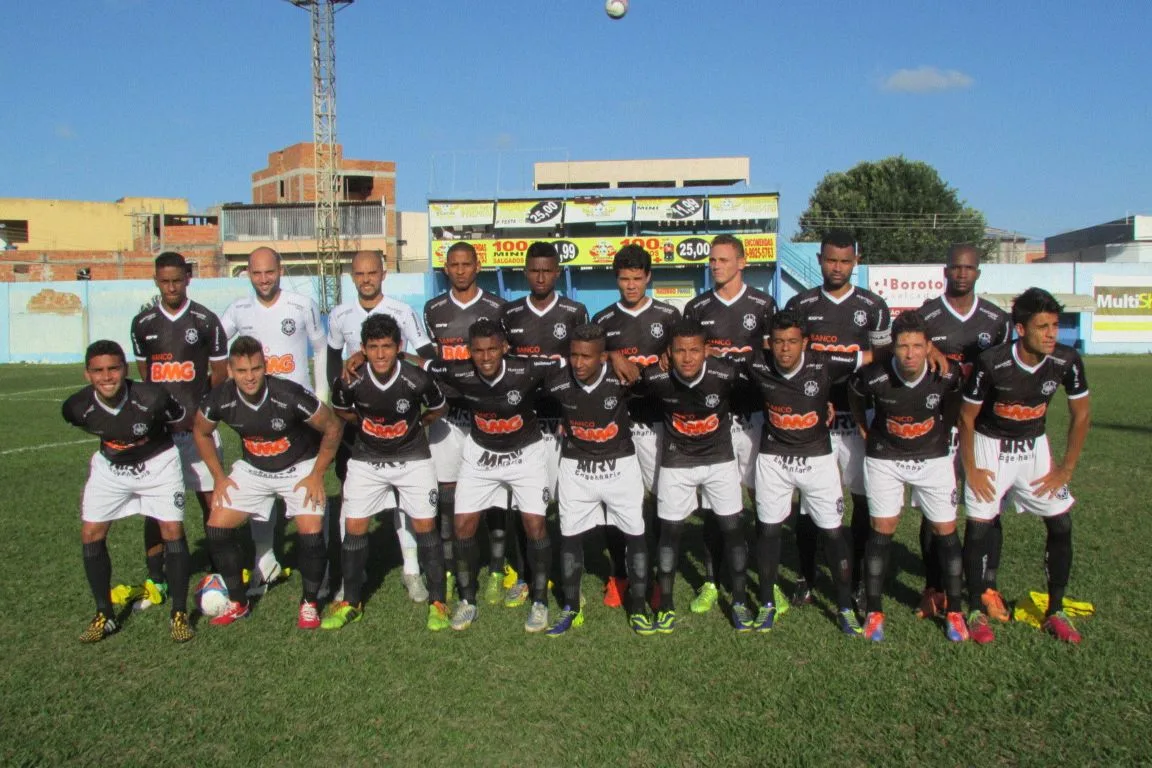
[876, 555]
[407, 542]
[431, 552]
[467, 563]
[353, 559]
[224, 546]
[540, 560]
[1058, 559]
[154, 550]
[736, 552]
[313, 560]
[497, 519]
[839, 557]
[264, 542]
[638, 568]
[950, 563]
[930, 555]
[617, 549]
[571, 569]
[975, 559]
[807, 535]
[713, 545]
[445, 511]
[768, 558]
[668, 558]
[98, 569]
[179, 572]
[995, 545]
[859, 535]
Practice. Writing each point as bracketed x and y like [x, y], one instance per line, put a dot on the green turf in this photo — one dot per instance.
[384, 691]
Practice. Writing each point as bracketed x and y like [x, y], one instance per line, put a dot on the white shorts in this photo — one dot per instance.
[372, 486]
[487, 477]
[446, 440]
[153, 488]
[719, 486]
[933, 483]
[1016, 464]
[848, 448]
[746, 445]
[195, 471]
[596, 493]
[257, 490]
[647, 439]
[817, 479]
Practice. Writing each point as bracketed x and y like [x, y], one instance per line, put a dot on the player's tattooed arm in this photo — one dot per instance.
[626, 370]
[1080, 419]
[330, 427]
[981, 481]
[202, 431]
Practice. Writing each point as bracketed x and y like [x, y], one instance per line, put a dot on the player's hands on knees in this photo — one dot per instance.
[981, 481]
[314, 493]
[350, 366]
[220, 491]
[1052, 482]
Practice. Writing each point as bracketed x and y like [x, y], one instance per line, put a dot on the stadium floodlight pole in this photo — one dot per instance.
[324, 144]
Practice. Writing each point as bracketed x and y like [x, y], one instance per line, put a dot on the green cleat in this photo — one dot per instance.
[568, 620]
[438, 617]
[641, 624]
[705, 599]
[741, 617]
[342, 614]
[494, 589]
[516, 595]
[180, 628]
[781, 599]
[665, 622]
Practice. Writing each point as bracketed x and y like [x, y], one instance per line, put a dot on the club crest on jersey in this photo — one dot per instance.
[749, 322]
[1049, 387]
[178, 499]
[860, 317]
[402, 406]
[984, 340]
[610, 403]
[656, 330]
[191, 336]
[932, 401]
[712, 400]
[811, 388]
[288, 326]
[278, 424]
[560, 331]
[514, 397]
[139, 430]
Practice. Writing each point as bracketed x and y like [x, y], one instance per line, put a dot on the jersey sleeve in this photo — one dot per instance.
[335, 331]
[70, 410]
[841, 365]
[217, 339]
[880, 333]
[228, 321]
[438, 369]
[1075, 381]
[342, 398]
[432, 397]
[858, 385]
[976, 388]
[582, 315]
[305, 402]
[690, 312]
[137, 335]
[412, 328]
[172, 411]
[314, 327]
[210, 405]
[1003, 333]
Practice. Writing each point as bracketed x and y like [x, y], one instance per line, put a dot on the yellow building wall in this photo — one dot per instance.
[81, 225]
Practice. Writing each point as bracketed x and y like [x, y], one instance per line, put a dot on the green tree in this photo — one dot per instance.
[900, 210]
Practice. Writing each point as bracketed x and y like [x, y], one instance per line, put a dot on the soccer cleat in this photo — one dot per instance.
[956, 627]
[342, 614]
[122, 595]
[665, 622]
[848, 622]
[494, 589]
[516, 595]
[803, 595]
[308, 616]
[464, 615]
[155, 593]
[437, 617]
[994, 606]
[979, 629]
[766, 618]
[933, 602]
[874, 626]
[613, 590]
[537, 620]
[705, 598]
[233, 613]
[180, 628]
[742, 619]
[1060, 627]
[414, 583]
[568, 620]
[641, 624]
[779, 600]
[99, 628]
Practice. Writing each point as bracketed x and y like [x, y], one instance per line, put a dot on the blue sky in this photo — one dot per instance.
[1037, 112]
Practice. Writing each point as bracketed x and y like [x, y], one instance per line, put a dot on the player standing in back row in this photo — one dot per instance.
[842, 319]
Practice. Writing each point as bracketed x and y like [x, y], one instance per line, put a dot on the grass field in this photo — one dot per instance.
[385, 691]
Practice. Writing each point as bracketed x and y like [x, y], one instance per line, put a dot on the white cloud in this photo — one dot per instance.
[926, 80]
[64, 131]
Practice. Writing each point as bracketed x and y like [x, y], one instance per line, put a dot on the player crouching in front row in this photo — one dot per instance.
[136, 471]
[280, 424]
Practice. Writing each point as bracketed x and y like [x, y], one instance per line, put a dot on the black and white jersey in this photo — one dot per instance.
[542, 332]
[503, 409]
[273, 431]
[345, 320]
[642, 335]
[736, 328]
[178, 349]
[136, 429]
[963, 337]
[594, 416]
[448, 321]
[1014, 397]
[911, 420]
[856, 322]
[697, 413]
[390, 410]
[796, 402]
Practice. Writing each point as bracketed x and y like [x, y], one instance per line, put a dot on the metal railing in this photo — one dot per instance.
[298, 222]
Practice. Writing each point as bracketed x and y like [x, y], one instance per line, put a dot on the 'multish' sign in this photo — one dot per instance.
[1114, 300]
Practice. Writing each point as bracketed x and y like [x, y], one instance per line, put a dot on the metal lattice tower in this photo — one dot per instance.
[324, 142]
